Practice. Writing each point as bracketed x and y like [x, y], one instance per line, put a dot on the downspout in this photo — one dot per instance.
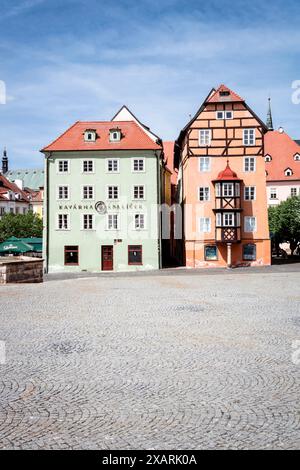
[158, 156]
[47, 212]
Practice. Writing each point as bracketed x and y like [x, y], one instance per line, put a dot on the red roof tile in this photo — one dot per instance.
[227, 174]
[133, 137]
[6, 185]
[282, 149]
[217, 96]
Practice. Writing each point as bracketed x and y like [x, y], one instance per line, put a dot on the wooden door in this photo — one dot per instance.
[107, 258]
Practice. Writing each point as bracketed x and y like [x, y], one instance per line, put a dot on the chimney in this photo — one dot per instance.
[4, 162]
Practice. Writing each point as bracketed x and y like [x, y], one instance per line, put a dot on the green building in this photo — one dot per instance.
[102, 197]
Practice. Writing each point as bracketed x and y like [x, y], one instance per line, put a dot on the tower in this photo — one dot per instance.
[4, 162]
[269, 121]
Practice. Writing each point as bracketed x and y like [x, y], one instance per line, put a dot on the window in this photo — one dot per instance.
[273, 193]
[112, 221]
[288, 172]
[228, 219]
[88, 222]
[138, 192]
[113, 165]
[204, 137]
[249, 136]
[204, 193]
[249, 252]
[204, 224]
[224, 93]
[268, 158]
[63, 222]
[113, 192]
[115, 135]
[88, 166]
[88, 192]
[24, 210]
[228, 189]
[63, 192]
[250, 224]
[63, 166]
[204, 163]
[249, 164]
[2, 211]
[249, 193]
[71, 255]
[135, 254]
[90, 135]
[210, 253]
[138, 165]
[139, 221]
[219, 219]
[293, 192]
[224, 115]
[297, 157]
[218, 189]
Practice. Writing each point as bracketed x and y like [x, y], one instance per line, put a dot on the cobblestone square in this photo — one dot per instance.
[167, 360]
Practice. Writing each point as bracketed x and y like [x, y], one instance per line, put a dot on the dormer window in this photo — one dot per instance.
[90, 135]
[268, 158]
[224, 93]
[115, 135]
[288, 172]
[297, 157]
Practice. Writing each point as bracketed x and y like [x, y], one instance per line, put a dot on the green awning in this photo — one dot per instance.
[14, 246]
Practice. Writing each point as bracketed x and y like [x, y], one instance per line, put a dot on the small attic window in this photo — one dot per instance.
[268, 158]
[288, 172]
[114, 135]
[224, 93]
[297, 157]
[90, 135]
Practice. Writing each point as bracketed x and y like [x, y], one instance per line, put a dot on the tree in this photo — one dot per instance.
[284, 222]
[20, 226]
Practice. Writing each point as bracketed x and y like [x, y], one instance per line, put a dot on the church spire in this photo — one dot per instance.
[269, 118]
[4, 162]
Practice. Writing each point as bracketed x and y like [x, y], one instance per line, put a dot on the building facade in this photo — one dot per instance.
[282, 158]
[12, 199]
[102, 193]
[222, 185]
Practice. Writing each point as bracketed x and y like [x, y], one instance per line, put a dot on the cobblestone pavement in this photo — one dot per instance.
[152, 362]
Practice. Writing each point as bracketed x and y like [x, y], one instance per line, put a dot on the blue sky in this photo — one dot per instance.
[70, 60]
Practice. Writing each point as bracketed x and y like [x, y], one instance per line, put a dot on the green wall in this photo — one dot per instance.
[90, 242]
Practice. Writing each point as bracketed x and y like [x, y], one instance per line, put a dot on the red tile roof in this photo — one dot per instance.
[169, 159]
[228, 174]
[282, 149]
[6, 185]
[216, 97]
[133, 137]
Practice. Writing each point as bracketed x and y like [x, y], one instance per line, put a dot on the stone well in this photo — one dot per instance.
[21, 269]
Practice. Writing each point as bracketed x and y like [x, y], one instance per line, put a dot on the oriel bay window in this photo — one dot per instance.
[71, 255]
[135, 254]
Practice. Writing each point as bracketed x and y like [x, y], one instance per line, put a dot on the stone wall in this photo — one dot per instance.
[21, 270]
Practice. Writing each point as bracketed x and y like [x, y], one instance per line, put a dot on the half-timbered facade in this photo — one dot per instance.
[222, 187]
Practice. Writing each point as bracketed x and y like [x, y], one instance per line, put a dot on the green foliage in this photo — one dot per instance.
[20, 226]
[284, 222]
